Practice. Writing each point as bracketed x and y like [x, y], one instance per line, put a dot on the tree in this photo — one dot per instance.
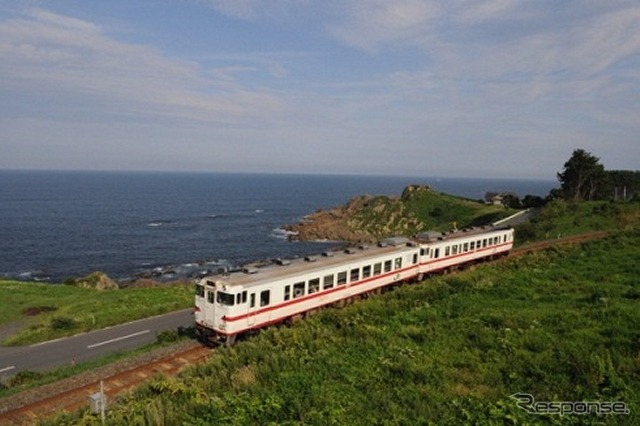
[582, 175]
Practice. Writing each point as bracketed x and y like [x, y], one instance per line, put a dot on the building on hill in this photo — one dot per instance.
[497, 198]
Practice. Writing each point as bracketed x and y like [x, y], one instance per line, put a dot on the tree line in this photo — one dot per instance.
[584, 178]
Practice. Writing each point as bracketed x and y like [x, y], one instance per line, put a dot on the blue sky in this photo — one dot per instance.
[495, 88]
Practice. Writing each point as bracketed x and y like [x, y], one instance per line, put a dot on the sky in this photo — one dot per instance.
[486, 88]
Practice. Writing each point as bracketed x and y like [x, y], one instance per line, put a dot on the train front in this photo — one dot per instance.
[209, 314]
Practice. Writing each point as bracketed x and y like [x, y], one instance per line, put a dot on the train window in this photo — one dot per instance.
[424, 251]
[398, 263]
[496, 240]
[328, 282]
[225, 298]
[342, 278]
[199, 290]
[415, 258]
[377, 268]
[454, 249]
[298, 289]
[241, 297]
[472, 245]
[287, 292]
[366, 271]
[387, 266]
[355, 274]
[504, 238]
[252, 300]
[436, 253]
[314, 285]
[478, 244]
[447, 251]
[484, 242]
[264, 298]
[210, 295]
[466, 247]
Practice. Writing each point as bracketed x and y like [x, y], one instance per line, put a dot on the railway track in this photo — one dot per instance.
[77, 397]
[72, 399]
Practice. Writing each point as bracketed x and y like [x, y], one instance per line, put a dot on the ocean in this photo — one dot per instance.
[55, 225]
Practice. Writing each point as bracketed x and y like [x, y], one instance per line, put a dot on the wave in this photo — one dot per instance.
[282, 234]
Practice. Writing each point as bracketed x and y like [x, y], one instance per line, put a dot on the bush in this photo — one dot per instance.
[23, 377]
[63, 323]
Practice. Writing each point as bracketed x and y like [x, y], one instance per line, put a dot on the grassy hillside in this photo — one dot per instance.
[561, 325]
[368, 218]
[48, 311]
[561, 218]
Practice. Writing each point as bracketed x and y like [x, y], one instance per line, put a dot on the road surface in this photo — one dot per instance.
[89, 346]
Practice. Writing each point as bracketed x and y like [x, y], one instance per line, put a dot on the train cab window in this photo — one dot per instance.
[252, 300]
[398, 263]
[342, 278]
[387, 266]
[210, 296]
[241, 298]
[287, 292]
[264, 298]
[466, 247]
[472, 246]
[447, 251]
[298, 289]
[314, 285]
[327, 282]
[366, 271]
[355, 274]
[377, 268]
[199, 290]
[225, 298]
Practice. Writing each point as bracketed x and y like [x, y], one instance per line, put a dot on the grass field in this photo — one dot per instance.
[561, 325]
[50, 311]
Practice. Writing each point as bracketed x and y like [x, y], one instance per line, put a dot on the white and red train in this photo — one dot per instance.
[229, 305]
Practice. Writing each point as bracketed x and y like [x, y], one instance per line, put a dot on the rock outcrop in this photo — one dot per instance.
[364, 219]
[99, 281]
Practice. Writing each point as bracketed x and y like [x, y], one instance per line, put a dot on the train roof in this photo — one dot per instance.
[256, 273]
[435, 236]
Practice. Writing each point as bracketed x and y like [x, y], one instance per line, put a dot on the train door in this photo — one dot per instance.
[251, 317]
[210, 310]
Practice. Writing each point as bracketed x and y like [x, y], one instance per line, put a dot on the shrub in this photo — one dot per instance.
[63, 323]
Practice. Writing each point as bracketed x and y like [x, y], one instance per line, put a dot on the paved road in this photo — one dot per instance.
[89, 346]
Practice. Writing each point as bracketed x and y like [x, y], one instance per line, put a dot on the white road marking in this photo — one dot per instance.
[7, 368]
[117, 339]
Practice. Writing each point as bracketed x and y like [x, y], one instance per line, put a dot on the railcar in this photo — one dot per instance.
[231, 304]
[444, 252]
[228, 305]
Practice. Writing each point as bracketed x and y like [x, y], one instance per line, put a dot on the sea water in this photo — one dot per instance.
[54, 225]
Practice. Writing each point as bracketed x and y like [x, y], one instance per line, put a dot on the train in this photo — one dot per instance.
[233, 304]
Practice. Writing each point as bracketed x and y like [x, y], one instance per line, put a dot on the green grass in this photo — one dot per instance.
[67, 310]
[420, 210]
[562, 325]
[561, 218]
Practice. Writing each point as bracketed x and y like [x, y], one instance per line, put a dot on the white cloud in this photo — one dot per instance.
[370, 24]
[73, 57]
